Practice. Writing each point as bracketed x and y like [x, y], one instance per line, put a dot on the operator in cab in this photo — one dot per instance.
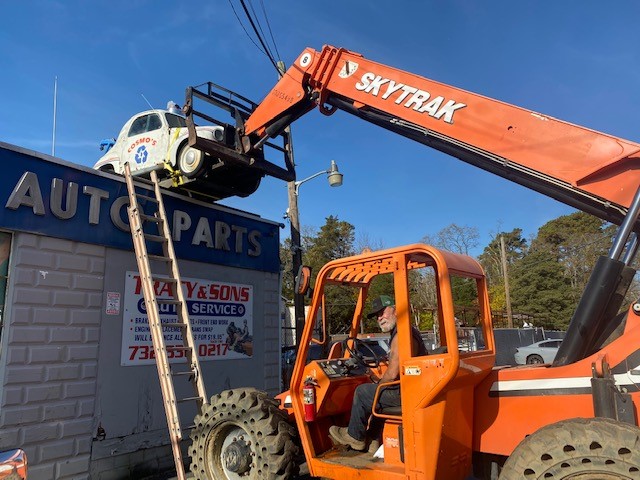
[356, 434]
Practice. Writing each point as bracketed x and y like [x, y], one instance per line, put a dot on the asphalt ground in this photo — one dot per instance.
[304, 475]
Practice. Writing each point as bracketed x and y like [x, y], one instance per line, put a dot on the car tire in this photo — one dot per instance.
[191, 161]
[534, 359]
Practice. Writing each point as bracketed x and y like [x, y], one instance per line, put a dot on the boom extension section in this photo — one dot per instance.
[588, 170]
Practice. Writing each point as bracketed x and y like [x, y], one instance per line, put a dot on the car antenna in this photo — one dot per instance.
[148, 103]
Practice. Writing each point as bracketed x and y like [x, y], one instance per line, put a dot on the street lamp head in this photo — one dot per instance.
[333, 175]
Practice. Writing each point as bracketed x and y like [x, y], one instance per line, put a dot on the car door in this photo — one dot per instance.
[147, 141]
[549, 350]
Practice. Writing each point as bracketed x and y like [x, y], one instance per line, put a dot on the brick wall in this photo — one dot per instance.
[49, 354]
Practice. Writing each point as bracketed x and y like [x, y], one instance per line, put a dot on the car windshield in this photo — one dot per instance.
[175, 121]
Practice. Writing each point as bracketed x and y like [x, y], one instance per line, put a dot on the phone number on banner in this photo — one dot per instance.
[146, 352]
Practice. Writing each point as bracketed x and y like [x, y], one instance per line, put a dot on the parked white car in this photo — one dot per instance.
[158, 140]
[539, 352]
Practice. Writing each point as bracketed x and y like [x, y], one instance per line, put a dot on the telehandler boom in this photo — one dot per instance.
[574, 419]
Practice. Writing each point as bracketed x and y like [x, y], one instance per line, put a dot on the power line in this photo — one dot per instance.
[257, 20]
[245, 30]
[264, 12]
[253, 25]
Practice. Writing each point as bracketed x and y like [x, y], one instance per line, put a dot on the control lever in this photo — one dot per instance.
[351, 363]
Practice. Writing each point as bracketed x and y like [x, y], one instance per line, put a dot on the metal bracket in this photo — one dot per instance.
[608, 400]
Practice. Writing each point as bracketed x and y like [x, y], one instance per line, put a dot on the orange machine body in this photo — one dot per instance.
[455, 404]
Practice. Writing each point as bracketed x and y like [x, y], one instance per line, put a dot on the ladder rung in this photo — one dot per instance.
[173, 281]
[155, 238]
[168, 301]
[178, 347]
[147, 197]
[146, 181]
[150, 218]
[178, 374]
[176, 325]
[159, 258]
[188, 399]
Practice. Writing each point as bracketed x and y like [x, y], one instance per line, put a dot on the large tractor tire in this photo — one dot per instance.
[243, 435]
[577, 449]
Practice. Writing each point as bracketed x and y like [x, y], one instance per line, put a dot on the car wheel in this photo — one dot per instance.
[191, 161]
[534, 359]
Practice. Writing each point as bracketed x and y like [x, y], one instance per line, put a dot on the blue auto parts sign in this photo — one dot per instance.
[67, 201]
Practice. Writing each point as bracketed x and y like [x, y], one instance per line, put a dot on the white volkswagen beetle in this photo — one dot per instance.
[158, 140]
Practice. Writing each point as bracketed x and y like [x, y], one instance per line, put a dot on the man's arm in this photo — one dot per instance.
[393, 368]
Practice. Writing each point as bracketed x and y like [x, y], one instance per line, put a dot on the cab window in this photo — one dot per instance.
[146, 123]
[464, 291]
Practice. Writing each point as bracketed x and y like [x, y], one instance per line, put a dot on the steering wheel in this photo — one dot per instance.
[355, 353]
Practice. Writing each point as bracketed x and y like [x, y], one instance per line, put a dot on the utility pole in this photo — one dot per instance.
[296, 247]
[296, 253]
[503, 255]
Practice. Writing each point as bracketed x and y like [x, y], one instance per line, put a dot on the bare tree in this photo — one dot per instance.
[364, 242]
[455, 238]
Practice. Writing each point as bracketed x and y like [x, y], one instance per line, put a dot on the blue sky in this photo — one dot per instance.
[575, 60]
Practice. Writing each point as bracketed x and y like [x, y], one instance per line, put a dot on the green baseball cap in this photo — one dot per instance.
[380, 303]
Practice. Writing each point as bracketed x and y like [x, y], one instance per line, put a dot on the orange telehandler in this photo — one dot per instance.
[575, 419]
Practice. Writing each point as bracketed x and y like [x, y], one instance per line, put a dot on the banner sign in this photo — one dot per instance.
[44, 195]
[221, 316]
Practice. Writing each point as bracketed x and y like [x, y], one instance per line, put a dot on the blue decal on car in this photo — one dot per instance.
[141, 154]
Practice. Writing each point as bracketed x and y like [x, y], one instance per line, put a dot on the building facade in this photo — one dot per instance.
[79, 390]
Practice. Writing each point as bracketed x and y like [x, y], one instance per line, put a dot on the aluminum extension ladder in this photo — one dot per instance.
[187, 352]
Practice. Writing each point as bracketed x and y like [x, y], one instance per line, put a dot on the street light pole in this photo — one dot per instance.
[335, 180]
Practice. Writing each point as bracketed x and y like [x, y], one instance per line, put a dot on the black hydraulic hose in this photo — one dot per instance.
[589, 318]
[626, 228]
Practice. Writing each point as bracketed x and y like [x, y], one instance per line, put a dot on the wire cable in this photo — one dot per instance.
[258, 35]
[273, 40]
[257, 20]
[245, 30]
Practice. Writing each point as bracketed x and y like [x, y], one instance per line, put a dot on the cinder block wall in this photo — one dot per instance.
[50, 351]
[54, 322]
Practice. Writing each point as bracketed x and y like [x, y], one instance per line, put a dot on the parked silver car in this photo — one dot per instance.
[539, 352]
